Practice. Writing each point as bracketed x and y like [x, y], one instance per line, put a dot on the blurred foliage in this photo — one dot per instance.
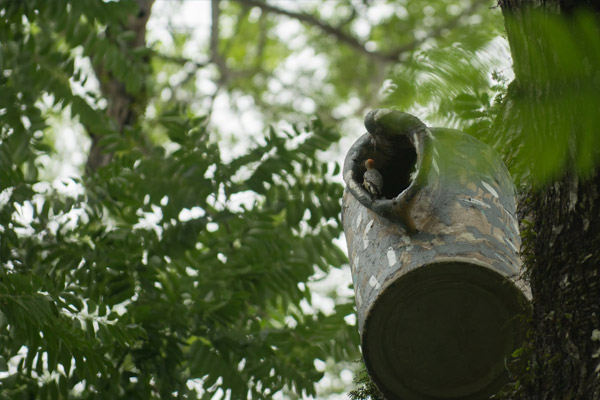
[538, 136]
[547, 134]
[328, 58]
[458, 62]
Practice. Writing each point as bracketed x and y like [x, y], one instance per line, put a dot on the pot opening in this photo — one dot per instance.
[398, 172]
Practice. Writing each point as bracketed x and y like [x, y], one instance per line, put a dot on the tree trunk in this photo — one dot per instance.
[561, 220]
[123, 106]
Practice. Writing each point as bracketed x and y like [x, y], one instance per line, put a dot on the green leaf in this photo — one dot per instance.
[3, 364]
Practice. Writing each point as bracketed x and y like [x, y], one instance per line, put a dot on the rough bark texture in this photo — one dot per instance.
[565, 256]
[562, 243]
[123, 107]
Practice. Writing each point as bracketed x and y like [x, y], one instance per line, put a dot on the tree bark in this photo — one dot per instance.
[561, 223]
[123, 106]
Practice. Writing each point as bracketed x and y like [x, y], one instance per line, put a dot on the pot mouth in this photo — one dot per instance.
[444, 331]
[401, 171]
[396, 142]
[397, 169]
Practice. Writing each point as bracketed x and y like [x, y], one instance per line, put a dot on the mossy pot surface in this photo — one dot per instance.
[435, 263]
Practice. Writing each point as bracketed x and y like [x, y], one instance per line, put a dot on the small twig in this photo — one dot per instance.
[215, 55]
[262, 40]
[179, 60]
[241, 19]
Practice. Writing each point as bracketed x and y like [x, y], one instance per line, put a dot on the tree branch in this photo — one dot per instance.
[314, 21]
[121, 104]
[179, 60]
[215, 55]
[386, 57]
[262, 40]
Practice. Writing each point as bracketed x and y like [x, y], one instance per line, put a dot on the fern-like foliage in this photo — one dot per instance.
[169, 272]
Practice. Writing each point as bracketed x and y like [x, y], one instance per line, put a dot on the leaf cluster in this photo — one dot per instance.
[366, 389]
[539, 136]
[550, 116]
